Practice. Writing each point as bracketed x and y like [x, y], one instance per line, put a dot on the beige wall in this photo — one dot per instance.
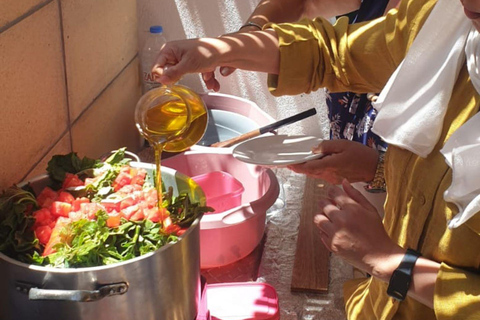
[68, 81]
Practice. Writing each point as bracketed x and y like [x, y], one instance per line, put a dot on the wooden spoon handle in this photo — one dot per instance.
[232, 141]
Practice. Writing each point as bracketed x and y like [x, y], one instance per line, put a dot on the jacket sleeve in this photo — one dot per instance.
[457, 294]
[342, 57]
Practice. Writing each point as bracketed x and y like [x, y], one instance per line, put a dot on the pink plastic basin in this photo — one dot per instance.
[231, 235]
[222, 190]
[242, 301]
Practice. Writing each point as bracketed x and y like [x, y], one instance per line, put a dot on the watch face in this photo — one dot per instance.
[399, 284]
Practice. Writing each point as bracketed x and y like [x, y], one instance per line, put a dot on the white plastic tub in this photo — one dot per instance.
[230, 116]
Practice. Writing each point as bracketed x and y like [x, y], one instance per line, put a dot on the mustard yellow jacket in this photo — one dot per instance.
[361, 57]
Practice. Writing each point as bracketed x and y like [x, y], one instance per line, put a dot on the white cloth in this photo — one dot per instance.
[472, 49]
[412, 106]
[416, 96]
[462, 153]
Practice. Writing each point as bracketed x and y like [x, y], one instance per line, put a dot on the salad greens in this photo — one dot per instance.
[84, 242]
[59, 165]
[16, 237]
[93, 243]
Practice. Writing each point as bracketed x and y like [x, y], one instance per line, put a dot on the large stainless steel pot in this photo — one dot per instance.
[163, 285]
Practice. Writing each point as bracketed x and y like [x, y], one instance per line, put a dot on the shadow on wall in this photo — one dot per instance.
[185, 19]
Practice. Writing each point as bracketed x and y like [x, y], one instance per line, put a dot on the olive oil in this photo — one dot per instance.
[171, 119]
[165, 122]
[158, 173]
[197, 124]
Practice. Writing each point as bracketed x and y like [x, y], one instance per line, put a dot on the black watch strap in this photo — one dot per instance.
[402, 276]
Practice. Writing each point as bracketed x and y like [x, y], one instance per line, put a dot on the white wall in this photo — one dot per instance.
[183, 19]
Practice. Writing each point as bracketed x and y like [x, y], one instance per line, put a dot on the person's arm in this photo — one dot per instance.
[253, 51]
[293, 10]
[306, 56]
[352, 229]
[278, 11]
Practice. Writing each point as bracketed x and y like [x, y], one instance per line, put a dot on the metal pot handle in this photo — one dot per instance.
[76, 295]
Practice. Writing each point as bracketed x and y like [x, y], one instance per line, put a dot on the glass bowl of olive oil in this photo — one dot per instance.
[174, 117]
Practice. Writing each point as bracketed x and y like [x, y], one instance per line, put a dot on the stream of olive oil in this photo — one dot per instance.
[164, 122]
[167, 129]
[158, 173]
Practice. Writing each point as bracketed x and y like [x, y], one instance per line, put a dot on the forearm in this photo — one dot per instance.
[424, 278]
[293, 10]
[424, 275]
[254, 51]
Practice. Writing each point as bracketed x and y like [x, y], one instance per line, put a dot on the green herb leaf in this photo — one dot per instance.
[59, 165]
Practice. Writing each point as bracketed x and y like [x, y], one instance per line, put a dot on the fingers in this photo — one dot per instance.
[323, 219]
[330, 147]
[299, 168]
[226, 71]
[325, 168]
[339, 197]
[210, 81]
[206, 76]
[349, 195]
[165, 73]
[312, 167]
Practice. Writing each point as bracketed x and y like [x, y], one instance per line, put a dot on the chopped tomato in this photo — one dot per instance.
[55, 236]
[76, 215]
[121, 180]
[152, 214]
[128, 212]
[90, 209]
[169, 227]
[114, 219]
[64, 196]
[127, 202]
[181, 231]
[137, 215]
[43, 234]
[138, 180]
[76, 204]
[138, 176]
[155, 214]
[111, 205]
[43, 217]
[60, 209]
[46, 197]
[150, 197]
[129, 189]
[71, 180]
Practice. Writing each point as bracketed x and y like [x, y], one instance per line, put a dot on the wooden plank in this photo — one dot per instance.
[312, 259]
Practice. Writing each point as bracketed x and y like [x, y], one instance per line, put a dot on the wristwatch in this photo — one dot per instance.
[402, 276]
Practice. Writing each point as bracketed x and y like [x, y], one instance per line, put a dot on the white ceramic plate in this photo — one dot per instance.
[277, 150]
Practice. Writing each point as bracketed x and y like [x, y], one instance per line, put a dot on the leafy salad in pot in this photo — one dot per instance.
[93, 213]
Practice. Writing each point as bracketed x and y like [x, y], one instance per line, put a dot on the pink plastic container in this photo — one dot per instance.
[242, 301]
[222, 190]
[228, 236]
